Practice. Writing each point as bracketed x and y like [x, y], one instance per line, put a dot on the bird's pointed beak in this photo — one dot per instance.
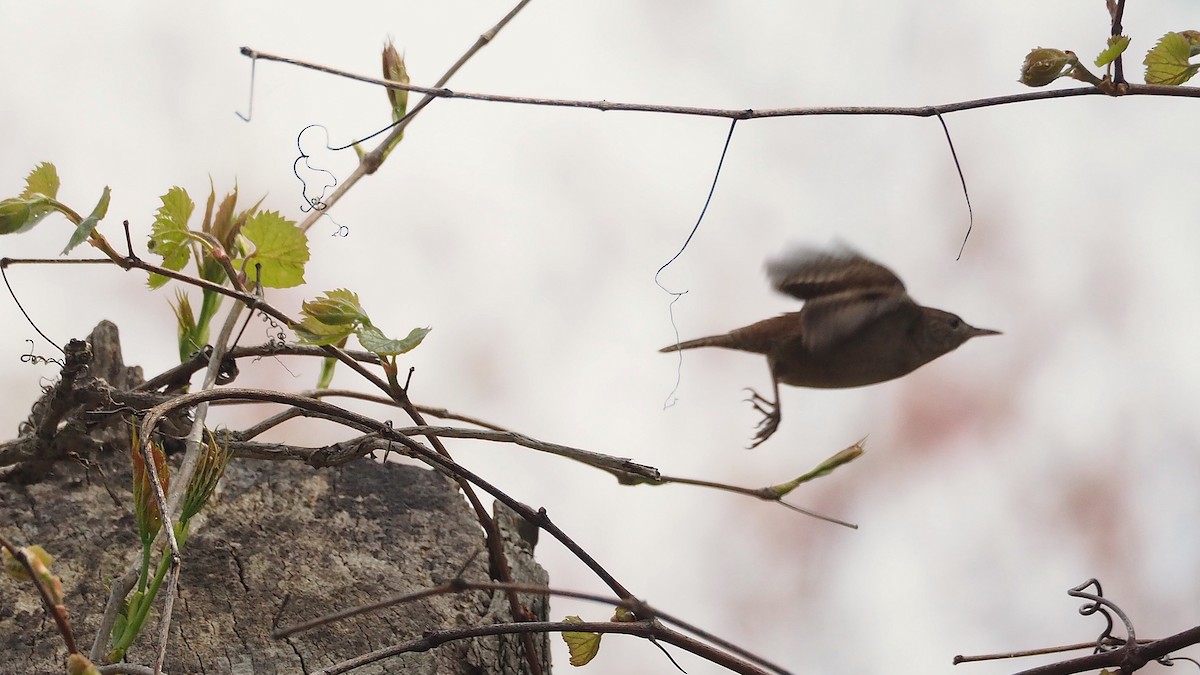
[976, 332]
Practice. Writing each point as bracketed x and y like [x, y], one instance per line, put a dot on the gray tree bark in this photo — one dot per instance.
[281, 543]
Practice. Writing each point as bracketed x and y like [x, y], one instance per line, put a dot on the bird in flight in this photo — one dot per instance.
[858, 326]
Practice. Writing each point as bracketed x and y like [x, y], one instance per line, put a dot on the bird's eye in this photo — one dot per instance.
[955, 322]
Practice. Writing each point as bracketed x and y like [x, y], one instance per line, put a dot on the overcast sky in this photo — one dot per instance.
[995, 478]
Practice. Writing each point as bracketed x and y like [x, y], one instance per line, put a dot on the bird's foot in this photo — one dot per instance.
[770, 420]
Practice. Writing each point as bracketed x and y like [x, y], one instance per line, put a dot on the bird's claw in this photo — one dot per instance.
[770, 420]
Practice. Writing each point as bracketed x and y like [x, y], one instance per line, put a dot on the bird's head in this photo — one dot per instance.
[945, 332]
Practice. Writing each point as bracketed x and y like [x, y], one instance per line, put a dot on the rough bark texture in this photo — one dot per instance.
[282, 543]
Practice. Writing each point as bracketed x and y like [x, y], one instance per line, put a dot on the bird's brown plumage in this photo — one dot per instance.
[858, 326]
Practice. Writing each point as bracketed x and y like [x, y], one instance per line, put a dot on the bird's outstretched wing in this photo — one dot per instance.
[828, 320]
[808, 273]
[843, 291]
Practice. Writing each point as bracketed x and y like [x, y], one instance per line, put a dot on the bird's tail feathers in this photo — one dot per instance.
[710, 341]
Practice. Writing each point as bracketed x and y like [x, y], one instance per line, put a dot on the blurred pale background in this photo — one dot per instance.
[995, 478]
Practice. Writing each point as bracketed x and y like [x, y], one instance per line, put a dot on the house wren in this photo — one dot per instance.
[858, 326]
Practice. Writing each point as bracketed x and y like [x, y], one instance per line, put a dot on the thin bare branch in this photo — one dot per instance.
[621, 467]
[764, 493]
[280, 633]
[643, 611]
[646, 629]
[624, 469]
[432, 457]
[1040, 651]
[743, 113]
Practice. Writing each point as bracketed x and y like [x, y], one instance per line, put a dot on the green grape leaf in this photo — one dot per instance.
[43, 180]
[337, 307]
[582, 647]
[331, 318]
[1116, 46]
[21, 214]
[84, 229]
[169, 236]
[279, 246]
[373, 340]
[36, 201]
[313, 332]
[1168, 62]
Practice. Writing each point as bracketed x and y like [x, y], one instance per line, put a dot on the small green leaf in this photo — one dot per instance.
[36, 201]
[1116, 46]
[279, 246]
[192, 335]
[395, 70]
[43, 180]
[224, 225]
[21, 214]
[338, 313]
[1168, 62]
[623, 615]
[313, 332]
[330, 318]
[582, 647]
[825, 468]
[184, 317]
[169, 236]
[337, 307]
[373, 340]
[214, 457]
[84, 229]
[1043, 66]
